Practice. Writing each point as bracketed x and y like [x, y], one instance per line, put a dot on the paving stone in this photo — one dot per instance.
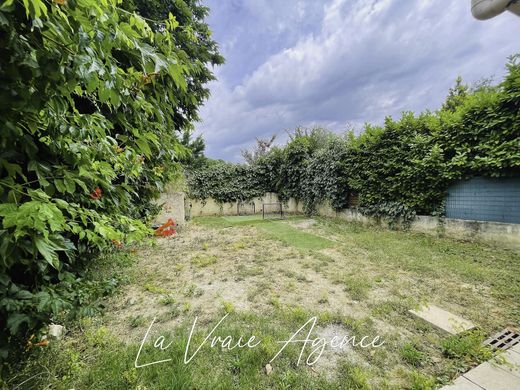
[491, 377]
[56, 332]
[516, 348]
[443, 319]
[513, 360]
[462, 383]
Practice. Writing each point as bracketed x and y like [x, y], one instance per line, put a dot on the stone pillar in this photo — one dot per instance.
[172, 207]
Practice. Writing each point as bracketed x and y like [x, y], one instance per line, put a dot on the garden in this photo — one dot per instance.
[270, 278]
[98, 102]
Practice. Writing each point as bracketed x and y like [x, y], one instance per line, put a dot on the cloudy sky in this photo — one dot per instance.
[340, 63]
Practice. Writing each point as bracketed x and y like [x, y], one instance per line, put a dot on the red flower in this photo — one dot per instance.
[42, 343]
[118, 244]
[167, 229]
[96, 194]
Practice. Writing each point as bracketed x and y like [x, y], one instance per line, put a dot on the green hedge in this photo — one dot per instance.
[399, 169]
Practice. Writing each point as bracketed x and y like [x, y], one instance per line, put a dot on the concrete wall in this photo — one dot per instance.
[172, 207]
[198, 208]
[505, 234]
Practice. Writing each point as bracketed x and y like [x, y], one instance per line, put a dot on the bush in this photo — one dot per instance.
[224, 182]
[90, 97]
[397, 170]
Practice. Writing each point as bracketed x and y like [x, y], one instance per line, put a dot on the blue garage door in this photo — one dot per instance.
[484, 199]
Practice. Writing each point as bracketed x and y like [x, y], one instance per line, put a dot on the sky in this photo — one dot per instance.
[340, 63]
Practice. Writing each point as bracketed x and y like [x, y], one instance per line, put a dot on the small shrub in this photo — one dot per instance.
[412, 355]
[467, 346]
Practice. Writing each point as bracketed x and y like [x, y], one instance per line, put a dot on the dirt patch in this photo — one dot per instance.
[335, 350]
[204, 272]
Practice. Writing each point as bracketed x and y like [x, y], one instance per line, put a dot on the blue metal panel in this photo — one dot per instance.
[485, 199]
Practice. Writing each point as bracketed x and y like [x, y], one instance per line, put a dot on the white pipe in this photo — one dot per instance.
[487, 9]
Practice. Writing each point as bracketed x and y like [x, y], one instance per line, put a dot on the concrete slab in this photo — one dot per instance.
[443, 319]
[512, 362]
[491, 377]
[516, 348]
[462, 383]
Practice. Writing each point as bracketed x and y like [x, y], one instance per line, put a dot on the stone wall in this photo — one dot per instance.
[172, 207]
[177, 207]
[198, 208]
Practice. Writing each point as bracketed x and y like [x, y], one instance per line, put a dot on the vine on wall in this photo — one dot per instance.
[398, 170]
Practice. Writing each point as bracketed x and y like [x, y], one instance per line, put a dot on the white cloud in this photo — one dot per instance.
[368, 59]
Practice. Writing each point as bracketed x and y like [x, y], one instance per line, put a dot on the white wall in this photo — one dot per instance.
[198, 208]
[499, 233]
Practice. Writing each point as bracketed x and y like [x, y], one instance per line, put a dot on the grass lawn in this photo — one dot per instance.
[267, 279]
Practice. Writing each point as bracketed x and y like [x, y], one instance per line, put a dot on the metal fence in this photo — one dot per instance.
[485, 199]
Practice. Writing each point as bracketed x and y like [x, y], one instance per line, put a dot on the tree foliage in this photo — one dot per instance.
[224, 182]
[195, 149]
[261, 149]
[197, 48]
[91, 98]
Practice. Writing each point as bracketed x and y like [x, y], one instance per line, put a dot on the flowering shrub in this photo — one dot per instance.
[91, 97]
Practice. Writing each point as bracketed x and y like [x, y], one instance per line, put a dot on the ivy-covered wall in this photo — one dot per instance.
[397, 170]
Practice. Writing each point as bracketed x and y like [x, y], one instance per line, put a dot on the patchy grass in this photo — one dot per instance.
[243, 218]
[154, 289]
[411, 355]
[222, 222]
[357, 286]
[295, 237]
[203, 260]
[270, 277]
[103, 355]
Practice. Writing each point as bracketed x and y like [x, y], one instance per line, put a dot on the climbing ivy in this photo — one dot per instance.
[326, 177]
[224, 182]
[397, 170]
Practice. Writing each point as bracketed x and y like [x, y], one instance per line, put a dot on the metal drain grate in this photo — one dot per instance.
[504, 339]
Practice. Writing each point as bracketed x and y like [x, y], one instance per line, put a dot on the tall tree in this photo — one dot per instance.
[456, 95]
[197, 47]
[261, 149]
